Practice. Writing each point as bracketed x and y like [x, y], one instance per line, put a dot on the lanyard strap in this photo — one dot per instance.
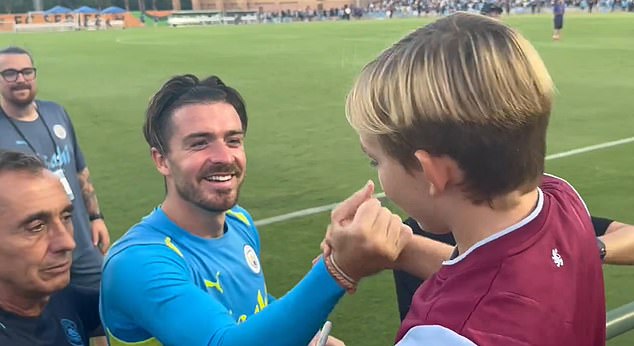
[21, 134]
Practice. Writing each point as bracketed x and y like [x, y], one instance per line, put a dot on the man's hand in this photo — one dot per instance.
[365, 237]
[100, 235]
[346, 210]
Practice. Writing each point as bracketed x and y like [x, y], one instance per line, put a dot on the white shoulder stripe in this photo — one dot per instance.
[573, 189]
[433, 335]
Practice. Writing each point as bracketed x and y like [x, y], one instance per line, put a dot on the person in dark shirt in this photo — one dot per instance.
[559, 8]
[491, 10]
[37, 305]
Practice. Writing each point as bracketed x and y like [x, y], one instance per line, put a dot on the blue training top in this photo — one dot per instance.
[162, 285]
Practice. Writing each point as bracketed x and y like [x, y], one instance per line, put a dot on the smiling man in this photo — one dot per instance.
[37, 306]
[190, 273]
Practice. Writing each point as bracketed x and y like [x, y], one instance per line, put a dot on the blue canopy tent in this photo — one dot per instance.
[84, 13]
[58, 10]
[85, 10]
[113, 10]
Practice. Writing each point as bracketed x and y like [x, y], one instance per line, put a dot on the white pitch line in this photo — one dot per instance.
[323, 208]
[133, 42]
[590, 148]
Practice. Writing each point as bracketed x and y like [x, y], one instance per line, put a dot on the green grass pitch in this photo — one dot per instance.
[301, 151]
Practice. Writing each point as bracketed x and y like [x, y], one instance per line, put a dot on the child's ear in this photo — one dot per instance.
[440, 171]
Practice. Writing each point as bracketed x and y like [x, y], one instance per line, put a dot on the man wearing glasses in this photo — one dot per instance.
[44, 128]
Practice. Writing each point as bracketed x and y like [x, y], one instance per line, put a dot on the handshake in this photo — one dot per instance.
[363, 238]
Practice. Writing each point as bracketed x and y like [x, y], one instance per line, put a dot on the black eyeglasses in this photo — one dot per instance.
[11, 74]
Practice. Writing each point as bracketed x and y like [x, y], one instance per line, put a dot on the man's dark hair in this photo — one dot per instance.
[181, 91]
[13, 161]
[16, 51]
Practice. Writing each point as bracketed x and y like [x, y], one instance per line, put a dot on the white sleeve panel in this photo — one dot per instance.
[433, 335]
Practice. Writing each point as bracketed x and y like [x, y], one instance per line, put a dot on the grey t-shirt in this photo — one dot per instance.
[59, 149]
